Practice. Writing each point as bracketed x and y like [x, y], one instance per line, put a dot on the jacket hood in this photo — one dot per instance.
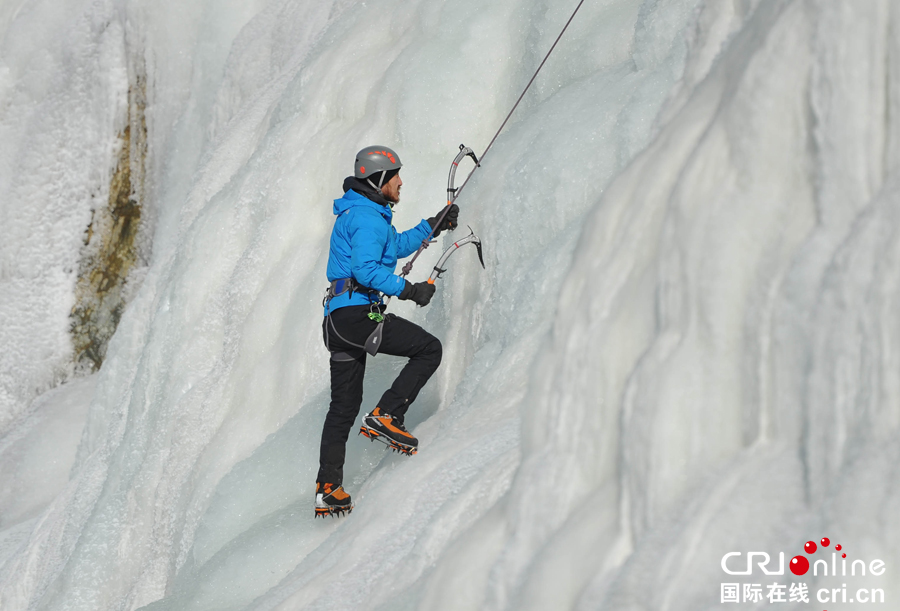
[352, 197]
[365, 189]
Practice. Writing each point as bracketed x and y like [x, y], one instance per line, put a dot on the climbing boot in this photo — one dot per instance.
[383, 427]
[332, 500]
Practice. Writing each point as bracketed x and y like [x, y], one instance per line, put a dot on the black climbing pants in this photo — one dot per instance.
[348, 366]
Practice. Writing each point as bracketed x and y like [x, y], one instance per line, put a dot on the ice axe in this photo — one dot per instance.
[452, 193]
[373, 343]
[469, 239]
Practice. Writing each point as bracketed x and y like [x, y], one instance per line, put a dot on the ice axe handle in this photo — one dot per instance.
[464, 152]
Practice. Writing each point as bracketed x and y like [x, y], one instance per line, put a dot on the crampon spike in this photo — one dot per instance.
[374, 435]
[334, 512]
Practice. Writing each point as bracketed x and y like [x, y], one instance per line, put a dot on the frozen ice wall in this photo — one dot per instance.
[684, 344]
[62, 79]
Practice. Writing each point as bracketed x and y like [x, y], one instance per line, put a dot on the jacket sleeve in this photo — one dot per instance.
[408, 242]
[366, 247]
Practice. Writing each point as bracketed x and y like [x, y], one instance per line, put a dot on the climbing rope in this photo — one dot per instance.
[456, 193]
[516, 105]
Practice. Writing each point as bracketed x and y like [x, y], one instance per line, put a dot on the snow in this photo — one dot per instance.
[684, 343]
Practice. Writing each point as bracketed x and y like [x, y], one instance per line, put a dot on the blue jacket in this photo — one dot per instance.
[365, 246]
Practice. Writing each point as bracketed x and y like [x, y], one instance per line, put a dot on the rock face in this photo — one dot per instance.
[111, 246]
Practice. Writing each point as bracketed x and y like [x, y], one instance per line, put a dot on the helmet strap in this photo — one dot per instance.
[380, 181]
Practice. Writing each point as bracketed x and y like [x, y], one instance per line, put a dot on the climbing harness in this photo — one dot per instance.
[346, 285]
[350, 285]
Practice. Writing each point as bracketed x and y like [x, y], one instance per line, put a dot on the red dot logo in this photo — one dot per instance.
[826, 541]
[843, 555]
[837, 547]
[799, 565]
[810, 548]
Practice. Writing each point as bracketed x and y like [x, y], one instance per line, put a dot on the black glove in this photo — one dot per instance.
[450, 220]
[420, 292]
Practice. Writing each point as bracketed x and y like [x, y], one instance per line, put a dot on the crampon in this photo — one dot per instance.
[395, 446]
[334, 512]
[332, 501]
[389, 430]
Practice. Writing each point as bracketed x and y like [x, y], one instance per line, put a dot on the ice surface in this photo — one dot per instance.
[62, 80]
[685, 342]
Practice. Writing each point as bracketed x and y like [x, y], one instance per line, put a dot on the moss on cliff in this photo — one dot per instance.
[111, 244]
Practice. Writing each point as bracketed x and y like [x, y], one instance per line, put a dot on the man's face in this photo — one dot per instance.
[391, 190]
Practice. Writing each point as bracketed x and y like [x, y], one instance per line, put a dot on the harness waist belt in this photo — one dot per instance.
[344, 285]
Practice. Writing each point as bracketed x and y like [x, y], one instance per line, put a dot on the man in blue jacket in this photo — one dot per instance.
[365, 248]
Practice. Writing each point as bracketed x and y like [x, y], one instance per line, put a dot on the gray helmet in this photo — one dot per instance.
[374, 159]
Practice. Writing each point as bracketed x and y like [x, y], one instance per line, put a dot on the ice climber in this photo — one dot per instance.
[365, 248]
